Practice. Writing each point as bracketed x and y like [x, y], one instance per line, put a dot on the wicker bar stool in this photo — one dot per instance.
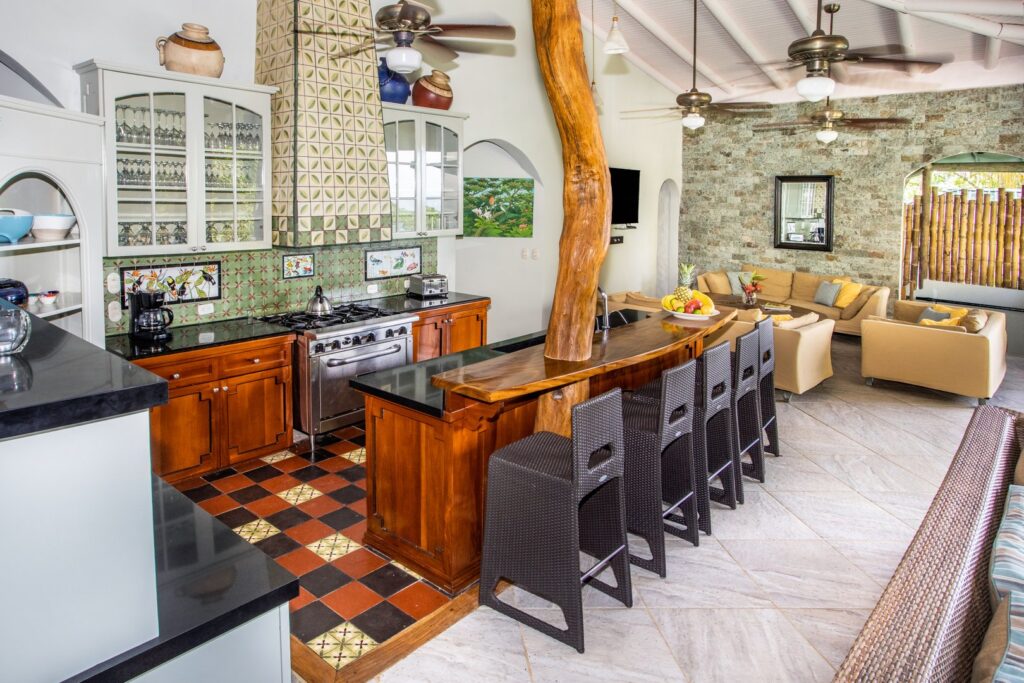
[550, 498]
[766, 376]
[713, 432]
[746, 408]
[659, 472]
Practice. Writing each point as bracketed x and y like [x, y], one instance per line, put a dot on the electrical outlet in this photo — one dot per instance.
[113, 283]
[525, 254]
[204, 309]
[114, 311]
[372, 289]
[535, 254]
[405, 283]
[616, 239]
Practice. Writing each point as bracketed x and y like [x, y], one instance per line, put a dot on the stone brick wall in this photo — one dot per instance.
[729, 177]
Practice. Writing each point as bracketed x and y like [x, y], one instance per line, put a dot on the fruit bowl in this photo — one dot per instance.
[692, 316]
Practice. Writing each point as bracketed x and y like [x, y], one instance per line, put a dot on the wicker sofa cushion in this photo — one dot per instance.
[1006, 572]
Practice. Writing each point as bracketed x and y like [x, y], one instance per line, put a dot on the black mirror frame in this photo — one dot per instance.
[781, 180]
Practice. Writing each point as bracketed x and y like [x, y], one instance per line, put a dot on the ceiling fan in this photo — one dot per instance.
[407, 21]
[818, 51]
[693, 103]
[828, 119]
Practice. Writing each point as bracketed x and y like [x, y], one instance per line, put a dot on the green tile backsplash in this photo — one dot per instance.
[251, 282]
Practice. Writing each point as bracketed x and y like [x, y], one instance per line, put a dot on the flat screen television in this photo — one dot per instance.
[625, 195]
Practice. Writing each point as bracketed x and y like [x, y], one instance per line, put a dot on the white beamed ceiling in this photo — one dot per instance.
[770, 25]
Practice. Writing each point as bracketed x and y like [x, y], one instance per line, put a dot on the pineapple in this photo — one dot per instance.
[684, 292]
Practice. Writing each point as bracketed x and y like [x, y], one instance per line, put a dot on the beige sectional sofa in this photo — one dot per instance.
[798, 289]
[943, 358]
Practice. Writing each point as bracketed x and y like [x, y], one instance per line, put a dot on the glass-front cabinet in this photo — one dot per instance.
[187, 162]
[424, 153]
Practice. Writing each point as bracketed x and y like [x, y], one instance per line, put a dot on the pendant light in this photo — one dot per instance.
[694, 100]
[827, 134]
[615, 44]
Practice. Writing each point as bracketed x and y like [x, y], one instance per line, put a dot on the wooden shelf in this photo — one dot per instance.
[31, 243]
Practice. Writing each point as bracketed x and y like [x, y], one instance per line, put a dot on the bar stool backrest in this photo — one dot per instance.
[715, 379]
[746, 363]
[677, 393]
[597, 442]
[766, 334]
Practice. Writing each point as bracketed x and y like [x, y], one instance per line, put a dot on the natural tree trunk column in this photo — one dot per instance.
[586, 197]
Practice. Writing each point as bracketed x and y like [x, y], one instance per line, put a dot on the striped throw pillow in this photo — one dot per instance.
[1006, 571]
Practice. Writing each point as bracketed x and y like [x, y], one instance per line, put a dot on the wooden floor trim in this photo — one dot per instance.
[315, 670]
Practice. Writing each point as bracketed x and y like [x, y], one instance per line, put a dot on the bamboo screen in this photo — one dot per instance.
[967, 236]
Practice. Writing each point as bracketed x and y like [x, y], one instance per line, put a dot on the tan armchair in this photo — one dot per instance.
[943, 358]
[803, 356]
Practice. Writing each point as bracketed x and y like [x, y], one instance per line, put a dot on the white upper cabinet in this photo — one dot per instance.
[424, 151]
[186, 158]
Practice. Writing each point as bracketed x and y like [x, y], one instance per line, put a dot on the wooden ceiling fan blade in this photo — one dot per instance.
[924, 66]
[874, 122]
[741, 114]
[355, 49]
[480, 31]
[783, 124]
[742, 105]
[435, 52]
[639, 111]
[878, 50]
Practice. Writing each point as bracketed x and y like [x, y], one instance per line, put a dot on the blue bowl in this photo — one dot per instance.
[13, 228]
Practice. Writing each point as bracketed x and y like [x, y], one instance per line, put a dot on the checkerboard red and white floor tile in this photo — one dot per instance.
[308, 512]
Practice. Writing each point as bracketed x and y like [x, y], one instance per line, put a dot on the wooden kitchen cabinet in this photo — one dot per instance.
[450, 329]
[227, 404]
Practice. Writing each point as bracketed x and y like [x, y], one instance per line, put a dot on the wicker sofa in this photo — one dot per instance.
[798, 288]
[931, 619]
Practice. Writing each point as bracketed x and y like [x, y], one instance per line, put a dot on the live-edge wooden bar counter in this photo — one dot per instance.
[431, 426]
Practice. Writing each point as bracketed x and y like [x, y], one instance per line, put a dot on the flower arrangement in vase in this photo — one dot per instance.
[750, 283]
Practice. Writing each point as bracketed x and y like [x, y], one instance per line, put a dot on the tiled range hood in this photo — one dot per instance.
[330, 176]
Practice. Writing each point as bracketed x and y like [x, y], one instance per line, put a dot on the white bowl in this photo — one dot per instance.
[48, 298]
[48, 228]
[692, 316]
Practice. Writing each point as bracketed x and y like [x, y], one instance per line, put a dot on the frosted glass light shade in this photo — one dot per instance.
[404, 60]
[826, 135]
[815, 88]
[615, 44]
[693, 121]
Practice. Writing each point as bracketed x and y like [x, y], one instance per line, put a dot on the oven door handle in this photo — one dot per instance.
[346, 361]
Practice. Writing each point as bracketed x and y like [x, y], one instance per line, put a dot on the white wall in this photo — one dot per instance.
[47, 37]
[505, 99]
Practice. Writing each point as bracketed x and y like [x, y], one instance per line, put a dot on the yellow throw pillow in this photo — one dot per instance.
[781, 318]
[948, 322]
[849, 292]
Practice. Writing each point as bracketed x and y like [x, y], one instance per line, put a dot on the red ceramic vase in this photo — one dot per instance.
[433, 91]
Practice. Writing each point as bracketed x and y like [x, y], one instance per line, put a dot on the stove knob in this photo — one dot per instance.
[336, 344]
[370, 338]
[346, 341]
[356, 341]
[389, 334]
[402, 330]
[319, 348]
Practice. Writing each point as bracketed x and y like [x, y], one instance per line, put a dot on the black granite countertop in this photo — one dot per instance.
[191, 337]
[60, 380]
[410, 385]
[209, 580]
[402, 303]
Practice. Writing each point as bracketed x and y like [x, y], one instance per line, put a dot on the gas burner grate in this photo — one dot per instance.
[343, 313]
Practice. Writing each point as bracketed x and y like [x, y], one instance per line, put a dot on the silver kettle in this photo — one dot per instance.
[319, 304]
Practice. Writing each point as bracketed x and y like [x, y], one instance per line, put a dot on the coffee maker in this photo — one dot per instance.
[149, 317]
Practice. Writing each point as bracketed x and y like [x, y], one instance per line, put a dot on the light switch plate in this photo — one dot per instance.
[204, 309]
[372, 289]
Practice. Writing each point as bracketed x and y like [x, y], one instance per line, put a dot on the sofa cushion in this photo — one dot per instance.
[749, 315]
[830, 312]
[735, 286]
[994, 646]
[795, 323]
[827, 293]
[776, 283]
[974, 320]
[848, 292]
[641, 299]
[805, 285]
[1006, 569]
[718, 282]
[857, 304]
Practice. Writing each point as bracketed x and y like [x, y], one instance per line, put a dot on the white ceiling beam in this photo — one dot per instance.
[803, 15]
[905, 29]
[658, 31]
[728, 22]
[1005, 8]
[634, 59]
[992, 47]
[1011, 33]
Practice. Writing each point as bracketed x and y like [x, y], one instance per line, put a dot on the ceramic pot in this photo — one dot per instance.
[434, 91]
[393, 86]
[192, 51]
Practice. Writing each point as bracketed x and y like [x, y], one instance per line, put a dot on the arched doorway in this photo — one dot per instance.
[962, 223]
[668, 236]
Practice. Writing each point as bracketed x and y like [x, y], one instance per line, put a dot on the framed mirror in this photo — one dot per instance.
[803, 212]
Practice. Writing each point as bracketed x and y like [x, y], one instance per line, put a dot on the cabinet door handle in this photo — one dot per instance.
[225, 389]
[216, 390]
[176, 375]
[203, 247]
[255, 361]
[195, 248]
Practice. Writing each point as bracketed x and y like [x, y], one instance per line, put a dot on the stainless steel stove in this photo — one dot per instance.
[352, 340]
